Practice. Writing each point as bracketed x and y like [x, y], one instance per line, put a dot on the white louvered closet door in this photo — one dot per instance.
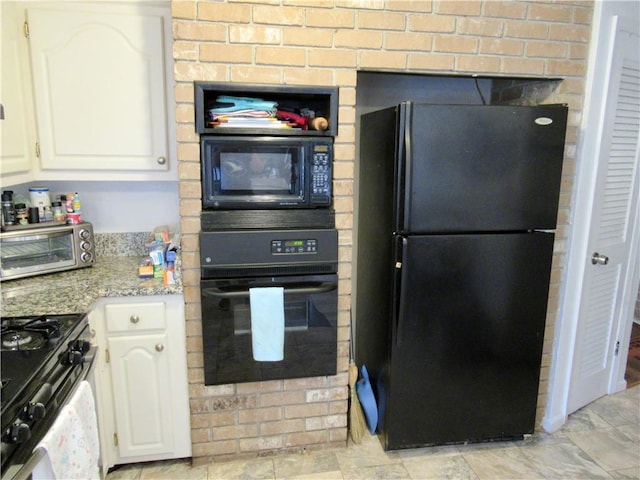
[615, 212]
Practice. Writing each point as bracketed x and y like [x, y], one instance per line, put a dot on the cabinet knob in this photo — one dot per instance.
[134, 319]
[598, 259]
[161, 160]
[159, 347]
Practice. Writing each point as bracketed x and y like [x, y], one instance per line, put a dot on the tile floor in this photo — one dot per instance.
[600, 441]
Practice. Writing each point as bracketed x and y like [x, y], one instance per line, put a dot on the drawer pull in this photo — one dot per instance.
[159, 347]
[134, 319]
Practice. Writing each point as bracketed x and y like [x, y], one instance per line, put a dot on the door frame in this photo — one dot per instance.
[606, 18]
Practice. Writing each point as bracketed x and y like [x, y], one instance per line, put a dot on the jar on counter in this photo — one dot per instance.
[22, 214]
[40, 198]
[58, 211]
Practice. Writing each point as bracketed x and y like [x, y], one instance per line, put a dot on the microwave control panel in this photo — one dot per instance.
[321, 171]
[294, 246]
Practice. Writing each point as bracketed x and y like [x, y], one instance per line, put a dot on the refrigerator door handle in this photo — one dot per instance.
[398, 280]
[403, 173]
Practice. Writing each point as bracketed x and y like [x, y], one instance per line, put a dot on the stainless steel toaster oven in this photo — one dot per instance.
[36, 251]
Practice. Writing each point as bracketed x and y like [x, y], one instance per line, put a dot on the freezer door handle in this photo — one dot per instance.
[598, 259]
[398, 280]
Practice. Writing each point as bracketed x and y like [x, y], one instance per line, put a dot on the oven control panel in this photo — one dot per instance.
[295, 246]
[224, 252]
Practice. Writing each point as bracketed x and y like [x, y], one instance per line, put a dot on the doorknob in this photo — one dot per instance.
[598, 259]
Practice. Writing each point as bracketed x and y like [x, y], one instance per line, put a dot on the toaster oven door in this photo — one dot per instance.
[32, 254]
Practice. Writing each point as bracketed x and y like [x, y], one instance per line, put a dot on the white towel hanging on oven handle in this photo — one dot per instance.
[71, 446]
[267, 323]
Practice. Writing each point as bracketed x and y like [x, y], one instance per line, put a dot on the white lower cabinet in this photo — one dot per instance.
[141, 379]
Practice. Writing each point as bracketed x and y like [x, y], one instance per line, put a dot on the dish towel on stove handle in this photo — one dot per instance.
[71, 446]
[267, 323]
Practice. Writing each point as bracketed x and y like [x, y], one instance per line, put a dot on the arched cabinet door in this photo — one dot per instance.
[141, 389]
[100, 87]
[18, 146]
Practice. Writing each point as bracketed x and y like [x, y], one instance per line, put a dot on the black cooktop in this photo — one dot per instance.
[28, 346]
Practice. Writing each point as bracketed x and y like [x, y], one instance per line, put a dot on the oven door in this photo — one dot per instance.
[310, 339]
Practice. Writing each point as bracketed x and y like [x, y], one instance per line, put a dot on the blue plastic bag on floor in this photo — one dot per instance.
[367, 400]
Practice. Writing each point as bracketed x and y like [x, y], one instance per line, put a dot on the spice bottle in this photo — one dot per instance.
[48, 214]
[8, 209]
[22, 214]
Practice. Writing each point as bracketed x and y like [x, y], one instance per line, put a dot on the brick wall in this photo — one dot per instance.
[325, 42]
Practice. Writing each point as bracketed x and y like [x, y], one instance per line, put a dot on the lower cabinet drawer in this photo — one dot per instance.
[135, 317]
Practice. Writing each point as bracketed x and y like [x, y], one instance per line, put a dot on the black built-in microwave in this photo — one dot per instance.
[266, 172]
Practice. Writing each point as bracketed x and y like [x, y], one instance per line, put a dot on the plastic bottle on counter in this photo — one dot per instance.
[40, 198]
[8, 208]
[77, 206]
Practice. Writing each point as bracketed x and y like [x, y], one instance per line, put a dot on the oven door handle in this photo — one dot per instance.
[323, 287]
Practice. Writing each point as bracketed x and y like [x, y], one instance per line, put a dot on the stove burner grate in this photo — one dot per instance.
[31, 335]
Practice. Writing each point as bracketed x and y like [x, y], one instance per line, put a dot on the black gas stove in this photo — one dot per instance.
[43, 359]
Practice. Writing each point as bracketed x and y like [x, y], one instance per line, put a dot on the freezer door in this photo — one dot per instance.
[472, 168]
[466, 339]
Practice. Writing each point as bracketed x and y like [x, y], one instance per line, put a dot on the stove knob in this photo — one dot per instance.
[81, 346]
[18, 433]
[33, 411]
[72, 357]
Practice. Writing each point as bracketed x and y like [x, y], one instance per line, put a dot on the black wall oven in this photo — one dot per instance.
[304, 264]
[259, 172]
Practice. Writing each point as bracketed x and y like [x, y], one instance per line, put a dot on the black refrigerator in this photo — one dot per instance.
[456, 213]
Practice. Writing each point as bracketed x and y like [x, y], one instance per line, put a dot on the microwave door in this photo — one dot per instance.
[257, 173]
[265, 173]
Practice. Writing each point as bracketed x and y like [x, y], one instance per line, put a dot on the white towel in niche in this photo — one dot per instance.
[267, 323]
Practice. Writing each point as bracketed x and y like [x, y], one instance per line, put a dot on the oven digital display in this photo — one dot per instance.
[279, 247]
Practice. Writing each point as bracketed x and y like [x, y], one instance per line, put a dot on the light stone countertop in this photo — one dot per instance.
[76, 290]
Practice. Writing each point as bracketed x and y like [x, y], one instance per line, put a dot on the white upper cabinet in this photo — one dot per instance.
[17, 129]
[102, 89]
